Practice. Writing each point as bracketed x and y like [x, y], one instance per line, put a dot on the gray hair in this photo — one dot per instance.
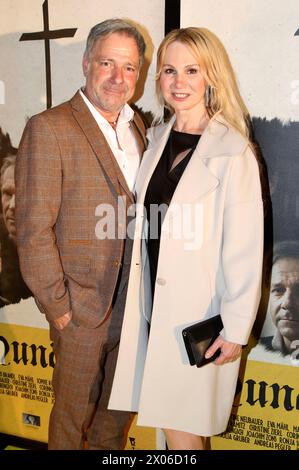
[8, 161]
[115, 25]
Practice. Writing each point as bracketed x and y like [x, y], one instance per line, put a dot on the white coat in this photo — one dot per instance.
[216, 271]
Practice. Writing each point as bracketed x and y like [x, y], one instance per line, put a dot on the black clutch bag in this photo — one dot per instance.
[199, 337]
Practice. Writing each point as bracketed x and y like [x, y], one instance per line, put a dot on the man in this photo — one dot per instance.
[12, 286]
[284, 300]
[7, 176]
[72, 159]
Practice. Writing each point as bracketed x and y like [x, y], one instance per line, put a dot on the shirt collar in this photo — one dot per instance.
[125, 115]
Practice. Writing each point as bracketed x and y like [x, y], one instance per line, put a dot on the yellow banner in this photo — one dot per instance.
[265, 415]
[26, 396]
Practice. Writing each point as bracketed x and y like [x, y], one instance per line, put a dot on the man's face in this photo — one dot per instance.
[111, 72]
[8, 200]
[284, 298]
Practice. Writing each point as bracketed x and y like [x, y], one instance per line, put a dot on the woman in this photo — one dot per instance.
[208, 255]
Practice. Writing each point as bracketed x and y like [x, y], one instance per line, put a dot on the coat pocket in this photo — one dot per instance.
[75, 265]
[76, 268]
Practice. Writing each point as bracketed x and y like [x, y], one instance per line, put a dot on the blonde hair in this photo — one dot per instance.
[225, 98]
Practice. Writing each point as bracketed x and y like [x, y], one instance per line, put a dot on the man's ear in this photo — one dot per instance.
[85, 65]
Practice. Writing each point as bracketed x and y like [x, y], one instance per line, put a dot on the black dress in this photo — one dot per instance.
[161, 188]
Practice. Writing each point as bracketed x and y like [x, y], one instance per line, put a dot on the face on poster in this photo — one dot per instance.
[22, 71]
[260, 39]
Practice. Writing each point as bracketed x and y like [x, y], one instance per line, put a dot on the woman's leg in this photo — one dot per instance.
[180, 440]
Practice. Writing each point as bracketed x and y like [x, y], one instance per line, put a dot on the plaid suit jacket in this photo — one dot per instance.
[64, 170]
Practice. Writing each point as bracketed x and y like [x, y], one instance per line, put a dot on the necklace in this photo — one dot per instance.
[113, 124]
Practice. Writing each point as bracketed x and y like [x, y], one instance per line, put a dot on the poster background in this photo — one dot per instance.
[22, 63]
[259, 38]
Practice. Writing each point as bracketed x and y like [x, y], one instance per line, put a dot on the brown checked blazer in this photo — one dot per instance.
[64, 170]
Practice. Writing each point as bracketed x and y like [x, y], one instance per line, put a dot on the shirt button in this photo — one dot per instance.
[161, 281]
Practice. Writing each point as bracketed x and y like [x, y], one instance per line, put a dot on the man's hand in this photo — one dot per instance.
[63, 321]
[229, 351]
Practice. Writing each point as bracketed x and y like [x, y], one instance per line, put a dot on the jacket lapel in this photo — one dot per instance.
[139, 133]
[139, 129]
[218, 140]
[196, 182]
[99, 144]
[94, 136]
[121, 179]
[150, 160]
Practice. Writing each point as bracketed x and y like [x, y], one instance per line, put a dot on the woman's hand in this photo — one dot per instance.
[229, 351]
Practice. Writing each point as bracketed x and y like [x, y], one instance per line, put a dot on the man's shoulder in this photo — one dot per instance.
[155, 133]
[56, 114]
[52, 113]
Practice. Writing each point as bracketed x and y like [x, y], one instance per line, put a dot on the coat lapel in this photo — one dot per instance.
[120, 177]
[218, 140]
[196, 182]
[94, 136]
[150, 159]
[99, 144]
[139, 134]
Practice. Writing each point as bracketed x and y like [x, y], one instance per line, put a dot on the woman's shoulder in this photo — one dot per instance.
[154, 133]
[227, 140]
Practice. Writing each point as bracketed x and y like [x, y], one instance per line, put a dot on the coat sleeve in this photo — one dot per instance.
[38, 197]
[242, 250]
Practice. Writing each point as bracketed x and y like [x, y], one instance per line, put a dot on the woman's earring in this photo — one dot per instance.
[208, 95]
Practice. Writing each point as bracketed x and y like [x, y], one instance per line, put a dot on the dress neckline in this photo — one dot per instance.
[174, 131]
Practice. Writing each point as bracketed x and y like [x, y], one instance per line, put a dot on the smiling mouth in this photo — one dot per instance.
[180, 96]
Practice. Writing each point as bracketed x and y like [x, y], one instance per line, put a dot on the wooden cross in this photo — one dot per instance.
[47, 35]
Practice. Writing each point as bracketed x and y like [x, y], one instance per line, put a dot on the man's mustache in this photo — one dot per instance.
[116, 88]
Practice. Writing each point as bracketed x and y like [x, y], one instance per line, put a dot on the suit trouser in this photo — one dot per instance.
[82, 379]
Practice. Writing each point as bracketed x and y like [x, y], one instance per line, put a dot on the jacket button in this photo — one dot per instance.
[161, 281]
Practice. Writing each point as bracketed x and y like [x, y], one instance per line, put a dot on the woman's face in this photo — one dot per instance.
[181, 81]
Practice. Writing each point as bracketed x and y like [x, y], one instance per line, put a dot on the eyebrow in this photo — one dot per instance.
[277, 284]
[191, 65]
[107, 59]
[281, 284]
